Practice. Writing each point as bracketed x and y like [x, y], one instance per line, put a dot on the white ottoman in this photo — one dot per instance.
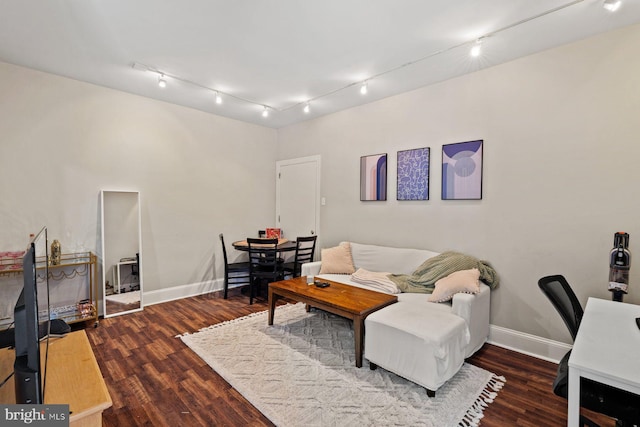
[423, 345]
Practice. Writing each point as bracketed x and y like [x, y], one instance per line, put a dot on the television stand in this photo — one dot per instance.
[73, 378]
[7, 339]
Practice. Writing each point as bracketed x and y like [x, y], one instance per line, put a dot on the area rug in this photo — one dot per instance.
[125, 297]
[301, 372]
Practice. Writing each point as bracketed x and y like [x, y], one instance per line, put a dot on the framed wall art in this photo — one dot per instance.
[373, 177]
[413, 174]
[462, 171]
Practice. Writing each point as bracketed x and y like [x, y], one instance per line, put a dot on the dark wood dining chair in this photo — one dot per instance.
[235, 273]
[305, 248]
[264, 264]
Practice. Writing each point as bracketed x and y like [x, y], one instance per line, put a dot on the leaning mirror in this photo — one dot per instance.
[121, 252]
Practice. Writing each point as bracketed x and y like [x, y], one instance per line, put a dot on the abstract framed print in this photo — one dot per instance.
[373, 177]
[413, 174]
[462, 171]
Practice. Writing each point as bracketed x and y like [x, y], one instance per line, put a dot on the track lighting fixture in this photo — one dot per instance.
[612, 5]
[474, 45]
[476, 49]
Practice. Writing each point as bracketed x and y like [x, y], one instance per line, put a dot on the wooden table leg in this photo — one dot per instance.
[358, 335]
[272, 305]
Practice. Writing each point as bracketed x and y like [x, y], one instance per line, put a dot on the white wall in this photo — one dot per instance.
[62, 141]
[561, 144]
[561, 147]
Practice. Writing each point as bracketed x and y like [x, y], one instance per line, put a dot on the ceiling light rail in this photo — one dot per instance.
[474, 46]
[163, 75]
[473, 43]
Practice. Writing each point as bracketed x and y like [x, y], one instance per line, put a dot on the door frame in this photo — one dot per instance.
[309, 159]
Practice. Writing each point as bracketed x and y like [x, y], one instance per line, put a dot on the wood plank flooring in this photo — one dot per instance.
[156, 380]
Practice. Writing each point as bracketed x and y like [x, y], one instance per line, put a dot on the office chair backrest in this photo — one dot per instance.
[557, 289]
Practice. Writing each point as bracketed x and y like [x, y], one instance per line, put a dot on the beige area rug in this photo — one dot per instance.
[301, 372]
[125, 297]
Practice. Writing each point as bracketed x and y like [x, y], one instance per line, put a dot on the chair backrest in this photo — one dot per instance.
[224, 251]
[305, 248]
[263, 254]
[557, 289]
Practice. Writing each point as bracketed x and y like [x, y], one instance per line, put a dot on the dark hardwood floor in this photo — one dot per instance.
[156, 380]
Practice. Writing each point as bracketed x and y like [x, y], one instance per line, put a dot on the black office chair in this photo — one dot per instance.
[264, 264]
[305, 248]
[598, 397]
[235, 273]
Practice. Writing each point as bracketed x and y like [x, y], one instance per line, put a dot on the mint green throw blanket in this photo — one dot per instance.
[424, 277]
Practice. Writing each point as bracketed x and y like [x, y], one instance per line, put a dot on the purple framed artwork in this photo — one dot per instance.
[373, 177]
[462, 171]
[413, 174]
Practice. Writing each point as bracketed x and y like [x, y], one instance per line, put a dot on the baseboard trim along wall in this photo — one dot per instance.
[528, 344]
[181, 291]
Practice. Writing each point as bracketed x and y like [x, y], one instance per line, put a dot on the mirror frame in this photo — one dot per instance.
[102, 255]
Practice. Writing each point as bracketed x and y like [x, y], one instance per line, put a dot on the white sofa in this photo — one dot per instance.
[422, 341]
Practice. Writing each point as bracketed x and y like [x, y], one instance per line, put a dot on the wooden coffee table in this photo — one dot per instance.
[347, 301]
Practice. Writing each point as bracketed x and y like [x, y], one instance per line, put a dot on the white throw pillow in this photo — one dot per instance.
[467, 281]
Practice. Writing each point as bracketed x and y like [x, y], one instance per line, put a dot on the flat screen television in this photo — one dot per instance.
[31, 324]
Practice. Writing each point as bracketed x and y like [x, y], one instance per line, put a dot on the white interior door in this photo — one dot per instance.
[298, 196]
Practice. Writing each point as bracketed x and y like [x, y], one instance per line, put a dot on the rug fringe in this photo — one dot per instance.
[476, 412]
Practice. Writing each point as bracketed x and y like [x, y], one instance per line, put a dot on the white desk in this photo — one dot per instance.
[117, 275]
[606, 349]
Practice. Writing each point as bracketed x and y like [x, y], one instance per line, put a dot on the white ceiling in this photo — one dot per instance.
[282, 53]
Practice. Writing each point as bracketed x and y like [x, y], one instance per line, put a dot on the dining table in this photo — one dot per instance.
[284, 245]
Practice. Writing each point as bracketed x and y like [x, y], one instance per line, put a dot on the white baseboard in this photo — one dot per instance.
[532, 345]
[510, 339]
[182, 291]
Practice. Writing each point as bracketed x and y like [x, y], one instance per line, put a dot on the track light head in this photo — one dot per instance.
[265, 112]
[612, 5]
[364, 88]
[306, 108]
[161, 81]
[476, 49]
[218, 98]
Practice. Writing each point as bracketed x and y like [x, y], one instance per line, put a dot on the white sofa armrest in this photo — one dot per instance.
[475, 310]
[311, 268]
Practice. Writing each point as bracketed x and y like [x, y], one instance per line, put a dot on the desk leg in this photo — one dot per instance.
[358, 335]
[573, 408]
[272, 304]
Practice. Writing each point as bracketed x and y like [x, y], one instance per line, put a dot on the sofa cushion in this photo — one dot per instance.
[467, 281]
[385, 258]
[422, 301]
[337, 260]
